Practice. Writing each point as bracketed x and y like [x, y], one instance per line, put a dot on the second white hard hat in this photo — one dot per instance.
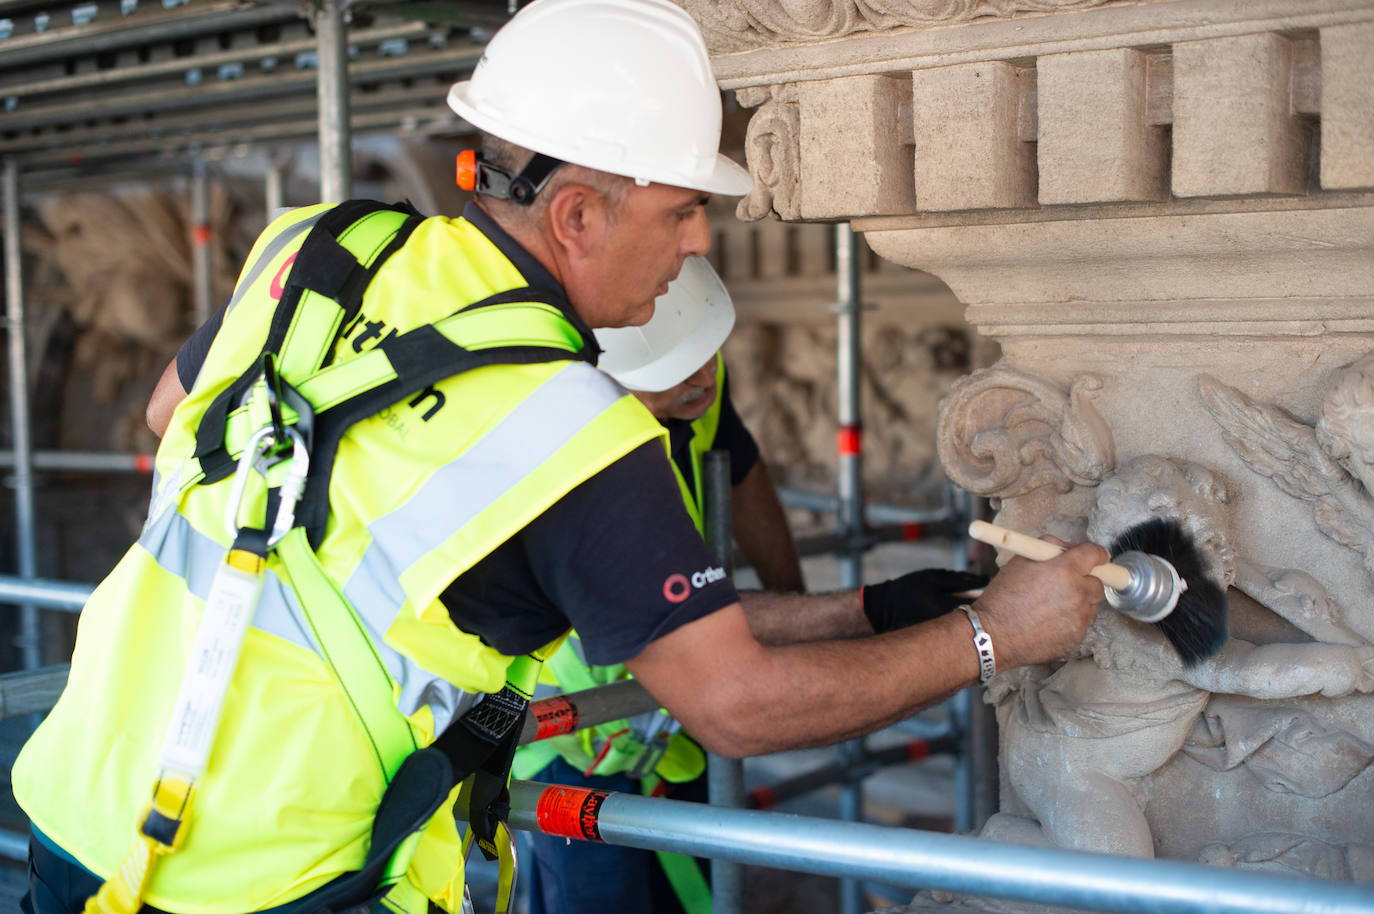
[690, 323]
[621, 86]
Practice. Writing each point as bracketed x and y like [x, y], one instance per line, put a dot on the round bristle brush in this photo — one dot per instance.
[1157, 575]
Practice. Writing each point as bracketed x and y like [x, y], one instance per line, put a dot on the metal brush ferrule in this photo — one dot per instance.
[1154, 589]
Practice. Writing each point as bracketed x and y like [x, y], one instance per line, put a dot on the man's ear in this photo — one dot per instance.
[577, 219]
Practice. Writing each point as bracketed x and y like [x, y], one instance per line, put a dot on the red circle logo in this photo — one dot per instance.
[676, 588]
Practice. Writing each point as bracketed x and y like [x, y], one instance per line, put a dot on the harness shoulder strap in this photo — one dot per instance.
[412, 362]
[335, 263]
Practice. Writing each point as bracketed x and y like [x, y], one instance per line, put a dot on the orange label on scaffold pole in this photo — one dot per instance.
[849, 441]
[570, 812]
[554, 716]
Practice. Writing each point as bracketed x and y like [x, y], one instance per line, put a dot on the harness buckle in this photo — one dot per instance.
[655, 741]
[168, 811]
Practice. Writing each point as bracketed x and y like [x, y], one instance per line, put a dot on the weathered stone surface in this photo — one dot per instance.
[969, 148]
[1347, 106]
[1095, 140]
[1234, 128]
[854, 160]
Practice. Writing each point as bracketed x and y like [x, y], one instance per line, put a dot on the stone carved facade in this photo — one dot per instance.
[1164, 214]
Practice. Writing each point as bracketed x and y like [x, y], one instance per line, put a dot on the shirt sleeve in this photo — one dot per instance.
[617, 558]
[191, 355]
[733, 436]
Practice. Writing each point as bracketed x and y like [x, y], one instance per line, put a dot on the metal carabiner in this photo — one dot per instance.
[291, 488]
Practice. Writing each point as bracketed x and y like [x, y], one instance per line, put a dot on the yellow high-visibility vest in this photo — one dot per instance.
[419, 492]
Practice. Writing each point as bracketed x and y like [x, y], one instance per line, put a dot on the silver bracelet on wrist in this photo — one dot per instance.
[982, 643]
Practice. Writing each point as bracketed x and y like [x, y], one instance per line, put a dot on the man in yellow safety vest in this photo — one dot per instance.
[396, 480]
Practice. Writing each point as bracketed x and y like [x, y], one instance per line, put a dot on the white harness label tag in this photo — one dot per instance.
[219, 640]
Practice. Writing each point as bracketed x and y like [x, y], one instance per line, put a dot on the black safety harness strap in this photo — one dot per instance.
[323, 266]
[420, 357]
[481, 743]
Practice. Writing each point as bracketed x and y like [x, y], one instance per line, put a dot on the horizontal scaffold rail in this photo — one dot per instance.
[916, 859]
[895, 856]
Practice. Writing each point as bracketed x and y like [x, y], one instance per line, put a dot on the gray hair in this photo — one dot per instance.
[512, 158]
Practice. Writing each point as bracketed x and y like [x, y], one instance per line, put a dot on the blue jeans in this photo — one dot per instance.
[583, 877]
[60, 885]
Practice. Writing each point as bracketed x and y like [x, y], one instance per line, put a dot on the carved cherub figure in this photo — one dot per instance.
[1079, 742]
[1330, 465]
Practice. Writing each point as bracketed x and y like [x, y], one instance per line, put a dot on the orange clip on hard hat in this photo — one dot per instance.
[467, 169]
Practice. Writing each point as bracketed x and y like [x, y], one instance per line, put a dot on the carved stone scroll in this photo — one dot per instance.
[737, 25]
[772, 146]
[1003, 432]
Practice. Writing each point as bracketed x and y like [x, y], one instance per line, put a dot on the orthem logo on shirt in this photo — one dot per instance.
[678, 587]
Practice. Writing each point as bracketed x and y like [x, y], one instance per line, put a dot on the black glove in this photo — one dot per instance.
[917, 597]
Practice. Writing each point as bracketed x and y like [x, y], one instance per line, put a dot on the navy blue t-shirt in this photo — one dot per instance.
[617, 558]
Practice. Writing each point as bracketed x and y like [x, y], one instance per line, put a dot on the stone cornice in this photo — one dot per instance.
[1134, 25]
[1301, 273]
[1070, 213]
[732, 25]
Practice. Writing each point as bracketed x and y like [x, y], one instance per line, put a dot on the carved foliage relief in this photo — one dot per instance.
[1004, 432]
[737, 25]
[772, 147]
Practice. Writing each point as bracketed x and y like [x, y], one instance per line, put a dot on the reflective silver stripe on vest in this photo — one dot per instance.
[191, 555]
[165, 492]
[453, 496]
[272, 250]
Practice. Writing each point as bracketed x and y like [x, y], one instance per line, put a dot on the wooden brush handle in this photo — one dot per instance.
[1114, 576]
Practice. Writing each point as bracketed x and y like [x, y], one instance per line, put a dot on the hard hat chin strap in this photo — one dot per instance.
[522, 188]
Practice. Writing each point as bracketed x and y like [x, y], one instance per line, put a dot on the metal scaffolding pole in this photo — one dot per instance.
[85, 461]
[336, 159]
[27, 640]
[917, 859]
[849, 446]
[849, 443]
[724, 776]
[202, 278]
[975, 770]
[68, 596]
[272, 184]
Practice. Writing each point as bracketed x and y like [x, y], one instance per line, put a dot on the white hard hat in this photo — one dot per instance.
[621, 86]
[690, 323]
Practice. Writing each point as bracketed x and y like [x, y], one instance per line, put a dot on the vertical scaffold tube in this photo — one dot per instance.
[975, 770]
[25, 551]
[273, 192]
[336, 158]
[724, 776]
[849, 459]
[202, 278]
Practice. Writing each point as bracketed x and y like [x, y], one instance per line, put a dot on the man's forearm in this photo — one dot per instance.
[750, 700]
[780, 618]
[741, 697]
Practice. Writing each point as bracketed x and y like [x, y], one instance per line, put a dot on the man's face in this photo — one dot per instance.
[655, 229]
[688, 400]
